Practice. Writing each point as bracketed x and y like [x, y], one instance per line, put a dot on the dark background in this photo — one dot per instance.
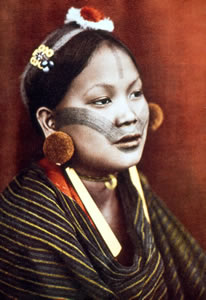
[169, 41]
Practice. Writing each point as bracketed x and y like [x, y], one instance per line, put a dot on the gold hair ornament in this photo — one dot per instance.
[41, 58]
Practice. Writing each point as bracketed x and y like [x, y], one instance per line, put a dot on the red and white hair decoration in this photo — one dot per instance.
[89, 18]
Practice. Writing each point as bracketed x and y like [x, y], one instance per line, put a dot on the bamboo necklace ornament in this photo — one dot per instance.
[58, 148]
[135, 179]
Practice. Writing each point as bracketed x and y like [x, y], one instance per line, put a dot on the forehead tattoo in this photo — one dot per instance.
[118, 61]
[86, 117]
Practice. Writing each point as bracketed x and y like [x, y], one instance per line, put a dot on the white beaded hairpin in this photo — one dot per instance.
[86, 18]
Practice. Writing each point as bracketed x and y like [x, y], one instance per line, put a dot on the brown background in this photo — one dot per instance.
[169, 40]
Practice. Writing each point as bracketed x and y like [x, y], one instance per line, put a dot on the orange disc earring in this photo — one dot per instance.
[156, 116]
[58, 147]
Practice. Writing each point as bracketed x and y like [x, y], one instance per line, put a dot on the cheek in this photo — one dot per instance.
[143, 115]
[85, 138]
[143, 112]
[91, 149]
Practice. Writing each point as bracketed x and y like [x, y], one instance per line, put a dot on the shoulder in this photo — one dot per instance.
[33, 211]
[30, 184]
[151, 197]
[31, 199]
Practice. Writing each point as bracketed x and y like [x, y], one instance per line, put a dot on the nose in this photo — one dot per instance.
[125, 115]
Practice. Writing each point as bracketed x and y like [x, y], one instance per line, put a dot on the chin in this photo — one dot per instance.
[132, 162]
[127, 160]
[110, 160]
[129, 157]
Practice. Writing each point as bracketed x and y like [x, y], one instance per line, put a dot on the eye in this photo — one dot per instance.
[136, 94]
[101, 102]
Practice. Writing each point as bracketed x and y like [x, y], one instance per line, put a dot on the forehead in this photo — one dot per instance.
[108, 64]
[109, 70]
[110, 57]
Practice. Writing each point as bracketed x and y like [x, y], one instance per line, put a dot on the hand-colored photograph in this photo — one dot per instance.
[103, 126]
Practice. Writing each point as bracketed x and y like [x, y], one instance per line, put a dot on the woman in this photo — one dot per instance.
[83, 82]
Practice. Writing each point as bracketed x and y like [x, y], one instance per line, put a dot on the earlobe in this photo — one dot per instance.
[46, 120]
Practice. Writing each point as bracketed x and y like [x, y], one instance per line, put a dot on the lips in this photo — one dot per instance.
[129, 141]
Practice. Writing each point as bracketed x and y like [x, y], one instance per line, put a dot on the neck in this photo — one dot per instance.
[99, 192]
[110, 181]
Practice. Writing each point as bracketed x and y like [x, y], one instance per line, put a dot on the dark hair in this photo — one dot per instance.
[48, 89]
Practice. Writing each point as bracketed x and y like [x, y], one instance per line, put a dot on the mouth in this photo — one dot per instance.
[129, 141]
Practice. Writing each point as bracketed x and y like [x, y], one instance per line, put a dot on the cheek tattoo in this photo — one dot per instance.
[86, 117]
[83, 116]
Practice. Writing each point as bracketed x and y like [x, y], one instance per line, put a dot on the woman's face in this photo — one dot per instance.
[105, 113]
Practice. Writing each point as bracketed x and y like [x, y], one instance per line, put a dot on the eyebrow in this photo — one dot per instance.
[135, 81]
[104, 85]
[110, 86]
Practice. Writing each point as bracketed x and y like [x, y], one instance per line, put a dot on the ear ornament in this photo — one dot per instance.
[156, 116]
[58, 147]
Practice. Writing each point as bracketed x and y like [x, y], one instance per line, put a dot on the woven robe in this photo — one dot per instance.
[49, 249]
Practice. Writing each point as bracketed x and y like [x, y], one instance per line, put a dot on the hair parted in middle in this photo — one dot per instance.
[48, 89]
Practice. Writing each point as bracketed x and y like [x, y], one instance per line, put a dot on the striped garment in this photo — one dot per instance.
[50, 250]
